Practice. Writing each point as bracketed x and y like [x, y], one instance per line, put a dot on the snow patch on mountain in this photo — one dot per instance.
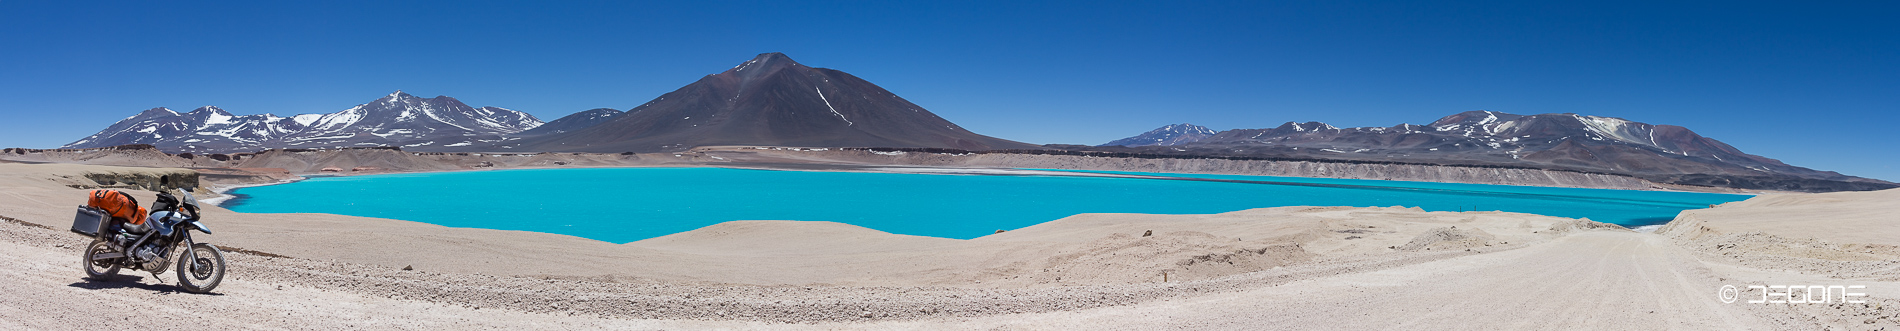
[1169, 135]
[306, 119]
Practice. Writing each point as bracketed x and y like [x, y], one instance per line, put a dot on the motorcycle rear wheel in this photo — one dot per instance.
[202, 274]
[99, 269]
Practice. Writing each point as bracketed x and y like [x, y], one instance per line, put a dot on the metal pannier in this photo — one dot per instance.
[90, 221]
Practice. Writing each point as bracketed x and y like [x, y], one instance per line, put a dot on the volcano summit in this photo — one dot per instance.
[770, 101]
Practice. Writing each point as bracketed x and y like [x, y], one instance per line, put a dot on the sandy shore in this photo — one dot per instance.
[1274, 268]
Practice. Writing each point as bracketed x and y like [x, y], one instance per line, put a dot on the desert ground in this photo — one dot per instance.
[1388, 267]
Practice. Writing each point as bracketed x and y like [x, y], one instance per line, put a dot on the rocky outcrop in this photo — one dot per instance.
[145, 179]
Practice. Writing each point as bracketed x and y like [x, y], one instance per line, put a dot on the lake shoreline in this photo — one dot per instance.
[1431, 195]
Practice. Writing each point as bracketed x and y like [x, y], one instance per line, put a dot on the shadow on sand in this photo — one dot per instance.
[130, 281]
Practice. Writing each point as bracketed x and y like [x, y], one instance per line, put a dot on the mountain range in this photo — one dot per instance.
[772, 100]
[398, 119]
[1659, 153]
[769, 101]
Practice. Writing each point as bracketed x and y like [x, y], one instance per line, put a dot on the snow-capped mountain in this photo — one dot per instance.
[1496, 134]
[205, 129]
[1170, 135]
[1660, 153]
[575, 121]
[398, 119]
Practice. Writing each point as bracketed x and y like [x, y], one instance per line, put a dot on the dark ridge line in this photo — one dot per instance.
[1092, 174]
[240, 250]
[20, 222]
[1543, 196]
[1202, 157]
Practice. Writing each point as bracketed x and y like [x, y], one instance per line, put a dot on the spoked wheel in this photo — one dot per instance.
[201, 274]
[100, 269]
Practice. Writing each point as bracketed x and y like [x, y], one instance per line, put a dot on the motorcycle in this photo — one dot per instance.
[149, 246]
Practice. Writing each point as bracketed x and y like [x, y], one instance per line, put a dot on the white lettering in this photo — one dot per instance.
[1797, 293]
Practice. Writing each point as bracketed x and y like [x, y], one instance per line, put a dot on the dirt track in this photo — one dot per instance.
[1590, 281]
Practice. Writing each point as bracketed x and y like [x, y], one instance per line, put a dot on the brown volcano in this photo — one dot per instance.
[770, 101]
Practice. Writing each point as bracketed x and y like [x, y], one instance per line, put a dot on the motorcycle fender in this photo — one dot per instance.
[201, 227]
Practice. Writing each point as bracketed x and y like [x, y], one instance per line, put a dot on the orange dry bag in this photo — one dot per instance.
[117, 204]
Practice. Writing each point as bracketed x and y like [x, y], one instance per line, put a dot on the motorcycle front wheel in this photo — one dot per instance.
[100, 269]
[201, 274]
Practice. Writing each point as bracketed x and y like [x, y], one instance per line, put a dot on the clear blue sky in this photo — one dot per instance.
[1814, 84]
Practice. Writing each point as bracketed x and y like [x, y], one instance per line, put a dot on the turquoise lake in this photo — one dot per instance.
[629, 204]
